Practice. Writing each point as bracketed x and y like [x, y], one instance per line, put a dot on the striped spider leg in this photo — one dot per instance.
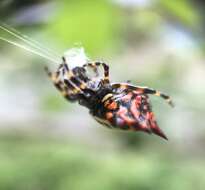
[70, 86]
[71, 79]
[143, 90]
[60, 85]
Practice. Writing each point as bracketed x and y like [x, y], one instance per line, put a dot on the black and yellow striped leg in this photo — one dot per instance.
[73, 82]
[144, 90]
[105, 67]
[65, 91]
[156, 93]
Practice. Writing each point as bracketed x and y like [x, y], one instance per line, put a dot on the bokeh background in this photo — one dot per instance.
[47, 143]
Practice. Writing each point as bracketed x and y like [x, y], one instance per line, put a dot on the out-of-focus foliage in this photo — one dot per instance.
[182, 10]
[89, 23]
[155, 43]
[39, 164]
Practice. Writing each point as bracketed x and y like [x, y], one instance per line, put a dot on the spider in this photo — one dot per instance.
[115, 105]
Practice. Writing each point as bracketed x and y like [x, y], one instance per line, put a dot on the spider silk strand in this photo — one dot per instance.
[29, 49]
[28, 41]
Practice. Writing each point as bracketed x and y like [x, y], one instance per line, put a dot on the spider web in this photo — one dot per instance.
[74, 56]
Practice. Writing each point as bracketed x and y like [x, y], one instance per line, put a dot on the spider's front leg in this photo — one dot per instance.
[55, 78]
[95, 65]
[143, 90]
[72, 81]
[59, 84]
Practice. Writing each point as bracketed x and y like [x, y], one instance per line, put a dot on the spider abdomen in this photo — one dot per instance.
[130, 111]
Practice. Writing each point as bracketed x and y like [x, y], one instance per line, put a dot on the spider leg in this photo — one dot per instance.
[94, 65]
[65, 91]
[143, 90]
[75, 83]
[55, 77]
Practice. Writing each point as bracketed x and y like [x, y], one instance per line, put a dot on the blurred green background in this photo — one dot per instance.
[47, 143]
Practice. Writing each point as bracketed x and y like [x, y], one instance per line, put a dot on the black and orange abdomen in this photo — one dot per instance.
[130, 111]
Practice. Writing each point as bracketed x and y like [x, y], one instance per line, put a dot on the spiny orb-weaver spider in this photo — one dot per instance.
[115, 105]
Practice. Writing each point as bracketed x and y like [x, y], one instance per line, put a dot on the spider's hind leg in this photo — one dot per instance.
[158, 93]
[144, 90]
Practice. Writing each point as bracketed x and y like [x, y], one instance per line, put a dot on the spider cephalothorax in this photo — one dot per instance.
[115, 105]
